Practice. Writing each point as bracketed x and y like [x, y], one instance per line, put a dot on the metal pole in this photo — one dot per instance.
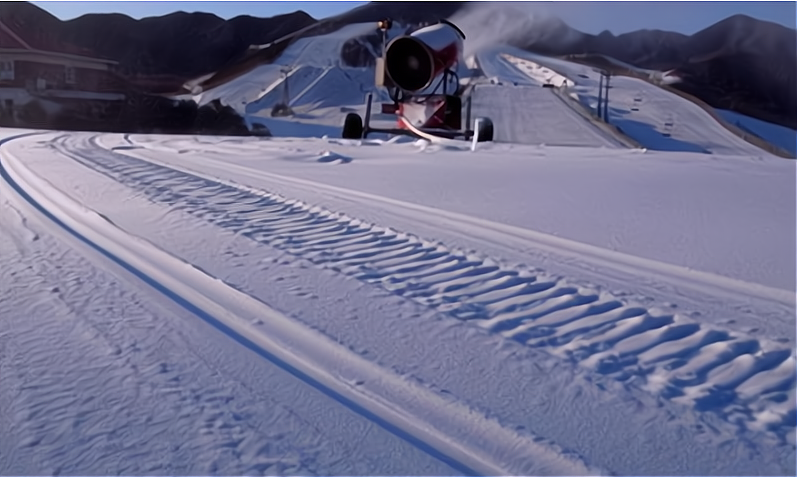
[475, 138]
[285, 92]
[606, 99]
[600, 96]
[468, 110]
[367, 122]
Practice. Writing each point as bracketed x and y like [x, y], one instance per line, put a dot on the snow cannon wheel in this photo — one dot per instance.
[485, 130]
[281, 110]
[353, 126]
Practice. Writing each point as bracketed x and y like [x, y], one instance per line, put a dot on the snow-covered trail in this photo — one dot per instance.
[101, 375]
[705, 380]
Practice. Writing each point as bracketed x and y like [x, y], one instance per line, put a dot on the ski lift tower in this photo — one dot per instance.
[283, 108]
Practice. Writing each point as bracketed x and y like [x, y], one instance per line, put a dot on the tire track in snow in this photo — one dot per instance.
[749, 382]
[720, 287]
[457, 435]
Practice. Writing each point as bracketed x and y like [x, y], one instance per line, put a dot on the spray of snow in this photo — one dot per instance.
[492, 24]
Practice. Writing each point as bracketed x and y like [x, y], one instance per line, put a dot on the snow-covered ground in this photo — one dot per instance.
[101, 374]
[553, 303]
[518, 299]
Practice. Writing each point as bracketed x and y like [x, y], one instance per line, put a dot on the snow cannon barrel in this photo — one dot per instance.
[413, 61]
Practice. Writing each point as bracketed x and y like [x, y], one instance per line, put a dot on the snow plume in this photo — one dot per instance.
[488, 24]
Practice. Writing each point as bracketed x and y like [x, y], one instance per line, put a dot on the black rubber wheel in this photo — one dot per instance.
[486, 130]
[353, 126]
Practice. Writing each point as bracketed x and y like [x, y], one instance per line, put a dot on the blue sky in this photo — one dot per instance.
[224, 9]
[590, 17]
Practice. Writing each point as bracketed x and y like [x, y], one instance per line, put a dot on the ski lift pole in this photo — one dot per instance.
[285, 92]
[468, 109]
[600, 96]
[606, 99]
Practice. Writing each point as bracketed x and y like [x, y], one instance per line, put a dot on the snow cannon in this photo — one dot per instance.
[407, 68]
[413, 61]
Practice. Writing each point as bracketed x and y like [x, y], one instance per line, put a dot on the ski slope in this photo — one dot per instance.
[307, 60]
[101, 375]
[516, 107]
[490, 312]
[243, 90]
[314, 89]
[371, 392]
[650, 115]
[517, 114]
[671, 122]
[324, 50]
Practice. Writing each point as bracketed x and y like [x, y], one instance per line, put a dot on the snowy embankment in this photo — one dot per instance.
[243, 90]
[781, 136]
[565, 316]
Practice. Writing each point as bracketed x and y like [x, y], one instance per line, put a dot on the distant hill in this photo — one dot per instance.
[168, 48]
[740, 64]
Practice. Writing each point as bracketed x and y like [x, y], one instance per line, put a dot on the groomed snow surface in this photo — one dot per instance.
[161, 290]
[554, 303]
